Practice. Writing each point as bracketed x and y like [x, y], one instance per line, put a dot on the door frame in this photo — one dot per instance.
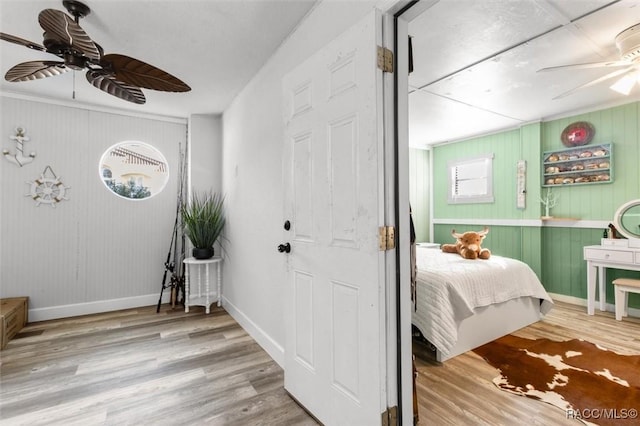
[396, 122]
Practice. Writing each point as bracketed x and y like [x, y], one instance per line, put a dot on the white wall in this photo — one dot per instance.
[254, 277]
[205, 135]
[95, 252]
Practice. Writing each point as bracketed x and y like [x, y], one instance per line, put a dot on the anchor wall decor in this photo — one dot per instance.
[19, 158]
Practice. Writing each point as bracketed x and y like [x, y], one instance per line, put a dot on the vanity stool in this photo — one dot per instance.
[624, 286]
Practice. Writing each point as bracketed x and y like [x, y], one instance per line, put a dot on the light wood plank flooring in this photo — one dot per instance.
[460, 391]
[138, 367]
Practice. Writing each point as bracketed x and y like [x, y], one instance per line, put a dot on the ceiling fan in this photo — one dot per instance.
[117, 75]
[628, 44]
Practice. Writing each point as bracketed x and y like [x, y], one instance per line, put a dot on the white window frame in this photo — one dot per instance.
[470, 180]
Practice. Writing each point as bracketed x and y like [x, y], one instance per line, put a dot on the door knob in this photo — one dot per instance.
[284, 248]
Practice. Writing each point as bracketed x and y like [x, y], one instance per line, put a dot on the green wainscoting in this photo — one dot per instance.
[565, 270]
[522, 243]
[419, 192]
[554, 253]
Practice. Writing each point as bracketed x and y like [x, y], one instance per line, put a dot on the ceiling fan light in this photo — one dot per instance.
[628, 43]
[624, 85]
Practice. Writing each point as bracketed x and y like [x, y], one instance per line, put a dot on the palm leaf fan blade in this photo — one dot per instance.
[63, 28]
[17, 40]
[34, 70]
[108, 84]
[138, 73]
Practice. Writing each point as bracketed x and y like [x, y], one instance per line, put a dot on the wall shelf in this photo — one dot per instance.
[577, 166]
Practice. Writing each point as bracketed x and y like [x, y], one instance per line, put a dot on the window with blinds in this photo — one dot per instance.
[471, 180]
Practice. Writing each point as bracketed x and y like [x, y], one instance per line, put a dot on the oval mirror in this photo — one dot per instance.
[134, 170]
[627, 219]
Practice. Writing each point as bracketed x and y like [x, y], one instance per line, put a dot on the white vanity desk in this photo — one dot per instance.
[613, 253]
[599, 258]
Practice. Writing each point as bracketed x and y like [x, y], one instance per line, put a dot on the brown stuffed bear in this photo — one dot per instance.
[468, 245]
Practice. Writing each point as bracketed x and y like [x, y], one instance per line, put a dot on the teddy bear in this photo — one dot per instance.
[468, 245]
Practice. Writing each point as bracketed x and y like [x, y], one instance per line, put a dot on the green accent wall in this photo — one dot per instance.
[554, 253]
[618, 126]
[507, 148]
[419, 192]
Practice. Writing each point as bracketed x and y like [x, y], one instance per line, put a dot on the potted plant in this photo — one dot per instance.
[203, 219]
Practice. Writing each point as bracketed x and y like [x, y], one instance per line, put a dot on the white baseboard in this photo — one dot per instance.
[633, 312]
[275, 350]
[77, 309]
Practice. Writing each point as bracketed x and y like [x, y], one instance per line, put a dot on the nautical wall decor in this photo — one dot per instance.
[19, 159]
[47, 190]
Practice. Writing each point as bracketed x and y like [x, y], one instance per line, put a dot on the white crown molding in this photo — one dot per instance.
[91, 107]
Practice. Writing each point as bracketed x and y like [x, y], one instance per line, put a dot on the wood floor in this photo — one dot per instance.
[141, 368]
[138, 367]
[460, 391]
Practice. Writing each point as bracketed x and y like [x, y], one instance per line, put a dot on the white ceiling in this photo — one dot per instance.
[476, 61]
[215, 46]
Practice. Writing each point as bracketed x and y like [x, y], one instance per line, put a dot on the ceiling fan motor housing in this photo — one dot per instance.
[628, 43]
[75, 62]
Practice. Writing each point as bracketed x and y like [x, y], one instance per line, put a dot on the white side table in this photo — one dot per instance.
[201, 298]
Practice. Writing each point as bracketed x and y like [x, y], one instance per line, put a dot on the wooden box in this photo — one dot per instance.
[14, 314]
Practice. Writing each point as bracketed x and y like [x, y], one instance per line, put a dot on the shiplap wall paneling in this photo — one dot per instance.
[568, 276]
[506, 149]
[531, 240]
[530, 151]
[501, 240]
[135, 234]
[41, 257]
[419, 192]
[96, 246]
[564, 266]
[618, 126]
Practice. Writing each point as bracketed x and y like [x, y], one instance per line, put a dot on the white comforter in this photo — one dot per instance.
[450, 288]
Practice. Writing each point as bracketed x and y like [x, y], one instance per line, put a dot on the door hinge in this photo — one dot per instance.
[390, 416]
[387, 238]
[385, 59]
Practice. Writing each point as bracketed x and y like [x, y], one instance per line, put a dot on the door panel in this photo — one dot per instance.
[335, 361]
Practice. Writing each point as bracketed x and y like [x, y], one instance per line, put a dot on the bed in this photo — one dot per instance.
[462, 304]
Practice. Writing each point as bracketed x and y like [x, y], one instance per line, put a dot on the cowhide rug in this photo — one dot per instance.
[589, 382]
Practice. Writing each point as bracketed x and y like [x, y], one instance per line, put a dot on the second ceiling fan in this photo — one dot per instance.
[115, 74]
[628, 44]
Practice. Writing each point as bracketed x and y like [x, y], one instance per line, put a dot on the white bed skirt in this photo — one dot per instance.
[494, 321]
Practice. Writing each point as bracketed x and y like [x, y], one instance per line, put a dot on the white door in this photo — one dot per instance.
[335, 361]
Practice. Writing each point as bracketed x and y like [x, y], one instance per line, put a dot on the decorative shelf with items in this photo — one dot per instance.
[578, 166]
